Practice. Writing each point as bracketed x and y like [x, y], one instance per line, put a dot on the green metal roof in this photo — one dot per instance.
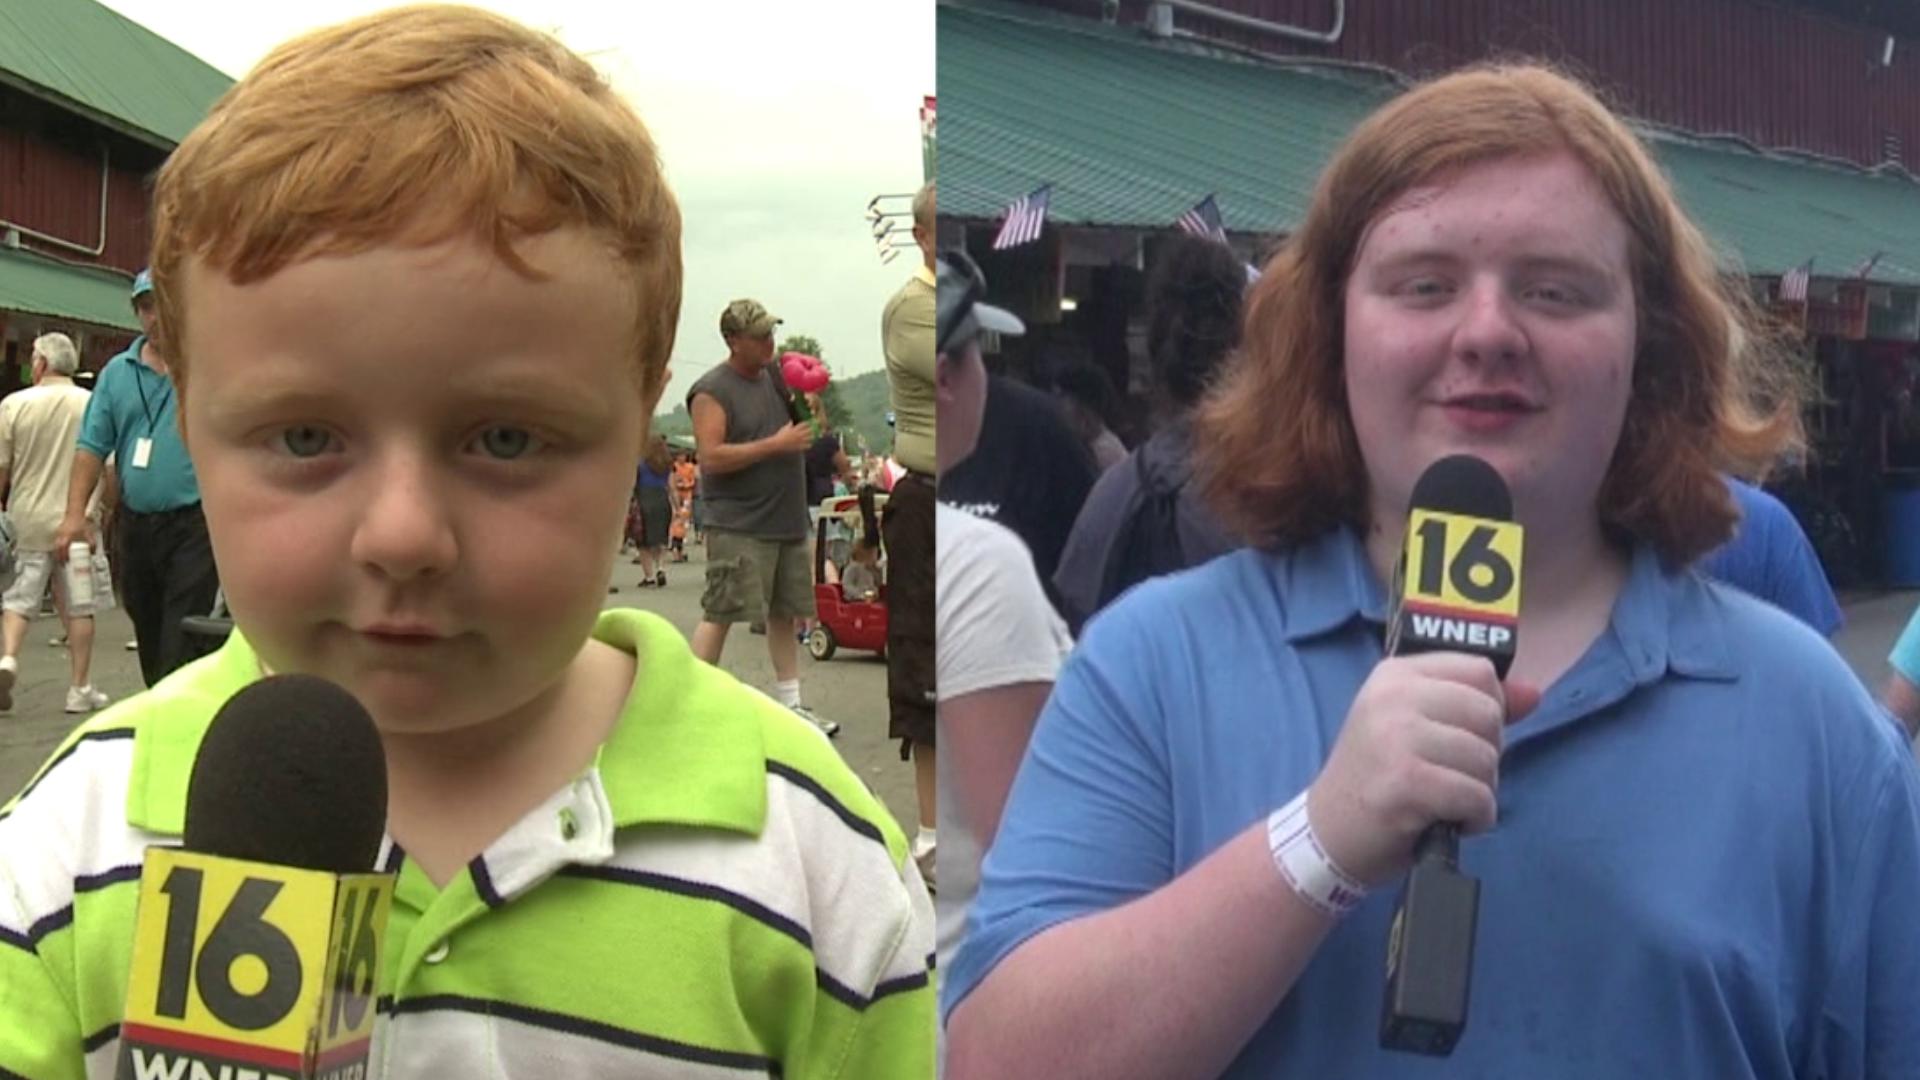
[1128, 132]
[103, 65]
[1132, 132]
[1773, 211]
[42, 286]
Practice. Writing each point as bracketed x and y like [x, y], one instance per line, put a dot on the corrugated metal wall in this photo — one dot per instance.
[56, 190]
[1778, 76]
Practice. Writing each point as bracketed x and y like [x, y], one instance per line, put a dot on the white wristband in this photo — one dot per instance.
[1306, 865]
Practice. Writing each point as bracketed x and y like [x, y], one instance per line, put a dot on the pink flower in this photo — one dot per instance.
[804, 374]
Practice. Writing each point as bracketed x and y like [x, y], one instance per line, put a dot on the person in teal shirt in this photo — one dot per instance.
[164, 558]
[1901, 694]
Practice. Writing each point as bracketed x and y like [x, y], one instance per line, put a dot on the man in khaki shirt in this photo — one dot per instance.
[906, 335]
[39, 428]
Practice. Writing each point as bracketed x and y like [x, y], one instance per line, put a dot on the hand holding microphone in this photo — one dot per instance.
[1455, 622]
[1421, 745]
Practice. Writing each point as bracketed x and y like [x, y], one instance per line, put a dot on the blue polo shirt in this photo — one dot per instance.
[1771, 557]
[131, 402]
[1707, 862]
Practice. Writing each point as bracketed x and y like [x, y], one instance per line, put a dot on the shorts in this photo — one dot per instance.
[907, 527]
[750, 579]
[31, 571]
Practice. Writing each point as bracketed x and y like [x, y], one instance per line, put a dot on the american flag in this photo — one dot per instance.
[1793, 284]
[1025, 218]
[1204, 220]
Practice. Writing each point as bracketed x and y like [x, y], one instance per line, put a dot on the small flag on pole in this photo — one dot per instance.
[1793, 284]
[1866, 267]
[1204, 220]
[1025, 218]
[928, 135]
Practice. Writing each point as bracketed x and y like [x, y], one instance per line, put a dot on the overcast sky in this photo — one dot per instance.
[778, 121]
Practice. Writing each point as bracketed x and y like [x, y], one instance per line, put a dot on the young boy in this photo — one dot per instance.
[422, 273]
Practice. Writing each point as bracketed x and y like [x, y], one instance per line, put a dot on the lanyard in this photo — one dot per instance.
[140, 384]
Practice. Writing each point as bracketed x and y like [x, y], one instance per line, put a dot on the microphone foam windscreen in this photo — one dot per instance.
[291, 773]
[1463, 484]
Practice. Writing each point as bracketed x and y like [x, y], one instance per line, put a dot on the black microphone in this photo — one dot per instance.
[257, 942]
[1456, 589]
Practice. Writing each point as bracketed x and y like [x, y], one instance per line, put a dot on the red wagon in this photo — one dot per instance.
[844, 620]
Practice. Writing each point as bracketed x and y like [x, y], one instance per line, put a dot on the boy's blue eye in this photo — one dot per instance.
[506, 443]
[304, 441]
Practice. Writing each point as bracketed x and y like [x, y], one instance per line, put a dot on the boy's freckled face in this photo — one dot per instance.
[415, 465]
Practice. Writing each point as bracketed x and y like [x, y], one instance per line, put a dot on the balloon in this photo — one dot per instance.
[804, 374]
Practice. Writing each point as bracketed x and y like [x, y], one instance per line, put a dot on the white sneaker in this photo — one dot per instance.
[133, 646]
[830, 728]
[9, 671]
[926, 860]
[82, 699]
[58, 642]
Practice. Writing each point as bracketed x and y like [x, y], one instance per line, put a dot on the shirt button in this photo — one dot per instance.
[569, 825]
[438, 952]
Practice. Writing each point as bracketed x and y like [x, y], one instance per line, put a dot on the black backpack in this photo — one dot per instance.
[1146, 538]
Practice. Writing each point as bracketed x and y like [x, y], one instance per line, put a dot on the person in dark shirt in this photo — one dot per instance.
[1029, 473]
[1087, 401]
[825, 461]
[1193, 324]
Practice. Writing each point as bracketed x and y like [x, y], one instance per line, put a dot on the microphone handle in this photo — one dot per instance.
[1440, 840]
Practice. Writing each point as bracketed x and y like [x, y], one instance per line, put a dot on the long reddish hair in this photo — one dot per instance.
[1712, 393]
[659, 455]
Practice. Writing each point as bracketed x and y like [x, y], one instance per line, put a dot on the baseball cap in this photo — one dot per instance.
[959, 314]
[142, 283]
[749, 317]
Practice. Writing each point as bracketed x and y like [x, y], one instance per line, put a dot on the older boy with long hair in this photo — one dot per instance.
[1697, 837]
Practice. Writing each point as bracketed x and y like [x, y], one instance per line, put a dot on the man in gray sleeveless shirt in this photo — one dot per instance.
[753, 486]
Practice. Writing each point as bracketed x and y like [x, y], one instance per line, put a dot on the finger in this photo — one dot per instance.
[1522, 698]
[1462, 707]
[1453, 797]
[1455, 667]
[1460, 751]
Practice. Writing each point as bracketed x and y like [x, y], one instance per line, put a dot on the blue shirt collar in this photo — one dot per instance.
[132, 355]
[1662, 621]
[1324, 584]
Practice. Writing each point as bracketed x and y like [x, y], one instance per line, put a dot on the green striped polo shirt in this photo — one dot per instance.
[718, 896]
